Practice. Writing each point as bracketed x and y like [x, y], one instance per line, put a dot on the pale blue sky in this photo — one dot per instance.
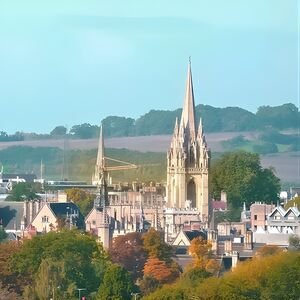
[70, 62]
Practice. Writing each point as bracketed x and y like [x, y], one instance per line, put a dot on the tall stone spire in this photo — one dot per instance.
[188, 112]
[188, 160]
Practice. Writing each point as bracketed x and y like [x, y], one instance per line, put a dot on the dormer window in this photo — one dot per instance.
[45, 219]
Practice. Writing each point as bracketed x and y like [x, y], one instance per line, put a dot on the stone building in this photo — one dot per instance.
[188, 160]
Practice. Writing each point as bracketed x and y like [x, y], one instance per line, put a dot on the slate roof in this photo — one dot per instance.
[191, 234]
[62, 209]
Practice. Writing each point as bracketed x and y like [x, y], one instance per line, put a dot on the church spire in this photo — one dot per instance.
[188, 112]
[100, 156]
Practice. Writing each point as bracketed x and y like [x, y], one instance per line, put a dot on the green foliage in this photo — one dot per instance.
[242, 177]
[157, 122]
[117, 284]
[85, 131]
[236, 142]
[118, 126]
[273, 136]
[82, 199]
[24, 190]
[281, 117]
[70, 258]
[59, 131]
[152, 165]
[294, 242]
[182, 288]
[5, 137]
[148, 285]
[265, 148]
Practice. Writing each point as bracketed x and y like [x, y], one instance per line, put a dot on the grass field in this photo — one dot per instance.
[82, 156]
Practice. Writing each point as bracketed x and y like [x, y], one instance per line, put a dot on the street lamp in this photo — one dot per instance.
[79, 292]
[135, 295]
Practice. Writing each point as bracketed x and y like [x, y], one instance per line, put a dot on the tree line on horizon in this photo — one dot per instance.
[157, 122]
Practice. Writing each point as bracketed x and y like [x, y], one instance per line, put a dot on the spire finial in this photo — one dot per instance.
[190, 59]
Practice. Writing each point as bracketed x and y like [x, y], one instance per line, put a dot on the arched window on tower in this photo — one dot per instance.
[191, 192]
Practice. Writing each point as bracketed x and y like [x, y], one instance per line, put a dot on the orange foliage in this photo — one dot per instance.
[200, 250]
[159, 270]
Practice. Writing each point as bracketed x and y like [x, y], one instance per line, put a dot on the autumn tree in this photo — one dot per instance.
[156, 247]
[294, 202]
[200, 250]
[8, 277]
[160, 270]
[268, 250]
[128, 251]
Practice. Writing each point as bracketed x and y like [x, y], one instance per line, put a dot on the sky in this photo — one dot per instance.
[67, 62]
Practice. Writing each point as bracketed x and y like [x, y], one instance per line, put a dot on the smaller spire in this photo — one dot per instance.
[100, 155]
[176, 127]
[181, 128]
[200, 128]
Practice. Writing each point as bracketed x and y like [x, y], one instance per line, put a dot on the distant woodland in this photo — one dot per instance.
[156, 122]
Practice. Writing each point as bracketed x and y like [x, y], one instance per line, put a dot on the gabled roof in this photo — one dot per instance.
[184, 237]
[278, 209]
[62, 209]
[294, 210]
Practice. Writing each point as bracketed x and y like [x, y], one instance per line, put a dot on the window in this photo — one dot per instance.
[255, 217]
[45, 219]
[277, 217]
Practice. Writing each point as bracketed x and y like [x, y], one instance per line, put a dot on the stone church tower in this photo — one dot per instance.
[188, 160]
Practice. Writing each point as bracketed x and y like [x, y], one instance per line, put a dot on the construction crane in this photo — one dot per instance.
[126, 166]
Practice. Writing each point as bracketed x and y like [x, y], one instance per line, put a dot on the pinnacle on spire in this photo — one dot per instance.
[100, 155]
[200, 128]
[181, 128]
[188, 112]
[176, 128]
